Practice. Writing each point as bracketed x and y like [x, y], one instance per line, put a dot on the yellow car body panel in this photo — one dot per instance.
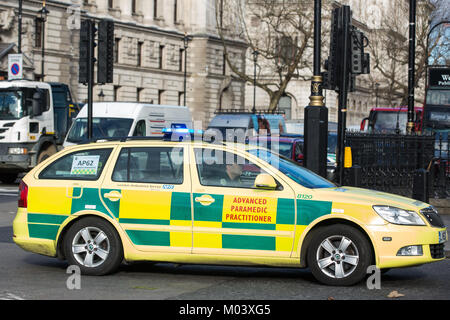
[192, 223]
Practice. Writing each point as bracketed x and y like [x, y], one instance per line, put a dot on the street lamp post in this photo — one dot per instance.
[19, 42]
[186, 40]
[411, 64]
[316, 113]
[43, 16]
[255, 59]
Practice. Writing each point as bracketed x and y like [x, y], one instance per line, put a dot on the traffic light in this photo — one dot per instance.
[359, 61]
[87, 45]
[105, 70]
[332, 63]
[356, 50]
[84, 51]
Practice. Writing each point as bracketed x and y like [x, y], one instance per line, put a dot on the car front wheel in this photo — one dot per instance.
[339, 255]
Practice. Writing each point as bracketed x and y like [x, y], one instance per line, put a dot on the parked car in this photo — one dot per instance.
[289, 147]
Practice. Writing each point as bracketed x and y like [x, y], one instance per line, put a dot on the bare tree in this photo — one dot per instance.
[280, 31]
[389, 49]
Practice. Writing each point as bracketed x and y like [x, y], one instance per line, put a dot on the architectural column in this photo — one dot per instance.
[102, 6]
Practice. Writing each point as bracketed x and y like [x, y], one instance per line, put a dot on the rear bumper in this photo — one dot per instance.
[402, 236]
[21, 236]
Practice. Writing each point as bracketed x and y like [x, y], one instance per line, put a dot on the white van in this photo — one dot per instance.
[125, 119]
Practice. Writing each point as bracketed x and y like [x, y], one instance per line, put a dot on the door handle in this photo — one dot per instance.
[205, 200]
[71, 188]
[113, 195]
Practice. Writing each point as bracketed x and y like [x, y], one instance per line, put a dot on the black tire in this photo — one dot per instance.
[8, 178]
[92, 260]
[335, 270]
[47, 153]
[385, 270]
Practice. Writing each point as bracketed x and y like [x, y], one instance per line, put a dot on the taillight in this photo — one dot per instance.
[23, 195]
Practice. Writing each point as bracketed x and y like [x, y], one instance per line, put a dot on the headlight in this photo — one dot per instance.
[399, 216]
[17, 150]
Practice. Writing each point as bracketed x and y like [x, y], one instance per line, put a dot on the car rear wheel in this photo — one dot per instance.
[339, 255]
[94, 245]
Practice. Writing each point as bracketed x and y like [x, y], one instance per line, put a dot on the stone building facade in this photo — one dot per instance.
[149, 50]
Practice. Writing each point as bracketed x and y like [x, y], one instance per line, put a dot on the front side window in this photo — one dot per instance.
[101, 128]
[149, 165]
[139, 131]
[79, 165]
[218, 168]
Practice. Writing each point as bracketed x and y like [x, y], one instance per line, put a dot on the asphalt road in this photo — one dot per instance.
[25, 275]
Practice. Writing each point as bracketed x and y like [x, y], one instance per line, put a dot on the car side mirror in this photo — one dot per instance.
[265, 181]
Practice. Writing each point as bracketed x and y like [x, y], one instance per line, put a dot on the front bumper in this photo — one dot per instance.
[402, 236]
[14, 162]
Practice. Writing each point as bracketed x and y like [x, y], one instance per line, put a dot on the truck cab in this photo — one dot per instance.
[34, 117]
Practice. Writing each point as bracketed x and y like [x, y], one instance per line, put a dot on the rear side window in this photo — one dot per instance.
[79, 165]
[149, 165]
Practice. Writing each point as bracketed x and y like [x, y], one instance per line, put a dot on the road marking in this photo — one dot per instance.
[9, 296]
[9, 194]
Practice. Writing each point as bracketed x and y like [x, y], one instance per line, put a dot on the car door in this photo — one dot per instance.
[149, 193]
[67, 186]
[234, 218]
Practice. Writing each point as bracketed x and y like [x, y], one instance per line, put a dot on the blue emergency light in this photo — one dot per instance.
[180, 134]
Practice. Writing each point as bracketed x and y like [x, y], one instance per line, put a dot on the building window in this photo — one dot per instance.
[180, 98]
[155, 9]
[116, 93]
[224, 65]
[139, 53]
[181, 60]
[133, 6]
[285, 105]
[161, 57]
[110, 4]
[38, 32]
[139, 94]
[116, 50]
[175, 11]
[161, 96]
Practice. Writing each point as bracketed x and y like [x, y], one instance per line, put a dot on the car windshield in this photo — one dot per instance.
[297, 173]
[387, 121]
[101, 128]
[11, 104]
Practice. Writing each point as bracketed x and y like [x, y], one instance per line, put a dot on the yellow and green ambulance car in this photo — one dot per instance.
[97, 205]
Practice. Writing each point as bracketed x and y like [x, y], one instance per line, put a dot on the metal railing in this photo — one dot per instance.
[390, 162]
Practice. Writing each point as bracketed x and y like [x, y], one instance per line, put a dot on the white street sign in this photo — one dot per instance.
[15, 63]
